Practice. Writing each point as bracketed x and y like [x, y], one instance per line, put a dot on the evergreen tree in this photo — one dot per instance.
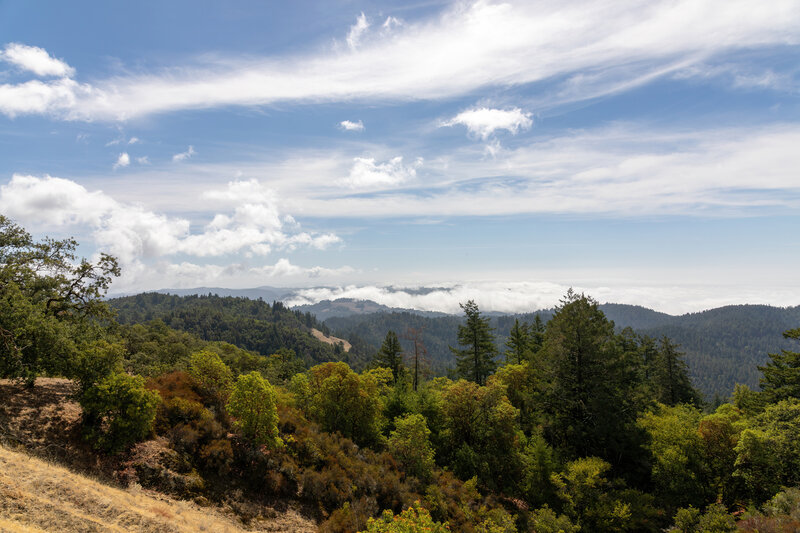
[536, 334]
[391, 355]
[782, 372]
[518, 343]
[670, 376]
[591, 399]
[476, 361]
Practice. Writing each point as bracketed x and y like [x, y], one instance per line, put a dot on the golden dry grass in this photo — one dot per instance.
[330, 339]
[38, 496]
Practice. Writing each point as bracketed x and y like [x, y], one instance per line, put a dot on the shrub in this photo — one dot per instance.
[212, 375]
[414, 519]
[409, 444]
[118, 411]
[252, 403]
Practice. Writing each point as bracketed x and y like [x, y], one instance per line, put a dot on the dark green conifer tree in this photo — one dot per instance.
[475, 361]
[391, 355]
[518, 343]
[670, 376]
[782, 372]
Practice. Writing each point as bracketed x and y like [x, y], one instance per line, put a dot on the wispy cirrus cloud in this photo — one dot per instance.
[586, 48]
[183, 156]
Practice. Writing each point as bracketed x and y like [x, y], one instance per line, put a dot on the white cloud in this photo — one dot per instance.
[144, 160]
[133, 140]
[598, 47]
[348, 125]
[365, 172]
[38, 97]
[184, 155]
[526, 297]
[357, 30]
[122, 161]
[391, 22]
[36, 60]
[483, 121]
[139, 236]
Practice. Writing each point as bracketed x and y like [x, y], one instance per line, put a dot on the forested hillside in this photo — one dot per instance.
[722, 346]
[578, 427]
[251, 324]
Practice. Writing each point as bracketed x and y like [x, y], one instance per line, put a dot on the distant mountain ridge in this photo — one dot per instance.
[723, 346]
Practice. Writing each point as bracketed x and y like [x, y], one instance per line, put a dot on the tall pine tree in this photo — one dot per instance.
[475, 361]
[391, 355]
[782, 372]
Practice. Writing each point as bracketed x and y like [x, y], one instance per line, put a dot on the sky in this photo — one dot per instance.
[643, 152]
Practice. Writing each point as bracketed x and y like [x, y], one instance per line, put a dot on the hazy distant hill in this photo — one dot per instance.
[268, 294]
[349, 306]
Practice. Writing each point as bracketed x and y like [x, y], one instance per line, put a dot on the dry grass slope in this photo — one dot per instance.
[38, 496]
[331, 340]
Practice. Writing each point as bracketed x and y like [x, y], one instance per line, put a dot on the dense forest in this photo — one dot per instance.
[251, 324]
[565, 424]
[722, 346]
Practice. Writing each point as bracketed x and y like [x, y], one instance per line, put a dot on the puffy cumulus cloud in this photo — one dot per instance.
[366, 172]
[484, 121]
[122, 161]
[587, 47]
[139, 236]
[183, 156]
[348, 125]
[54, 202]
[36, 60]
[357, 30]
[38, 97]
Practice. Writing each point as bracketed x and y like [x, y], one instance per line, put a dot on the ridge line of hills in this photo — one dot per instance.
[722, 346]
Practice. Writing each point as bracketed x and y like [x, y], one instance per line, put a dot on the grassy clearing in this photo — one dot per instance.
[38, 496]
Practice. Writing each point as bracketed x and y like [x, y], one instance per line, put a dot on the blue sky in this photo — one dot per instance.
[644, 152]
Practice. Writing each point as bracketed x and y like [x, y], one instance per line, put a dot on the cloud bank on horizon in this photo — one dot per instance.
[238, 160]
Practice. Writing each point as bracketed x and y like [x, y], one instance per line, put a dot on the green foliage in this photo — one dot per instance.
[518, 343]
[782, 373]
[410, 445]
[96, 360]
[211, 374]
[545, 520]
[676, 450]
[476, 361]
[391, 355]
[768, 453]
[48, 301]
[479, 433]
[344, 401]
[538, 466]
[720, 433]
[670, 376]
[591, 394]
[118, 411]
[715, 520]
[415, 519]
[524, 388]
[252, 404]
[250, 324]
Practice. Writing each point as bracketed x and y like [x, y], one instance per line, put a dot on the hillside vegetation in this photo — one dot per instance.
[576, 426]
[39, 496]
[722, 346]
